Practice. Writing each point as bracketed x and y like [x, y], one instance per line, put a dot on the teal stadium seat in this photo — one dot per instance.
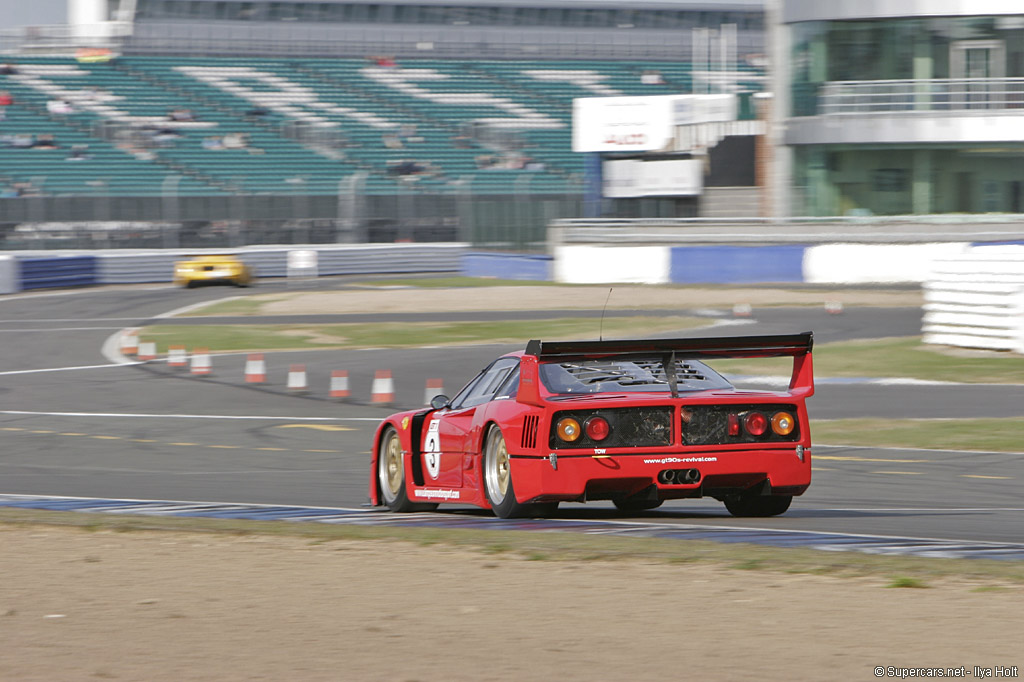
[323, 121]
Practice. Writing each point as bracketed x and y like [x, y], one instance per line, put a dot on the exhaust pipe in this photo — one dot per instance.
[689, 476]
[667, 476]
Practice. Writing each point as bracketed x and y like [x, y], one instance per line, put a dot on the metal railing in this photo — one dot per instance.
[919, 95]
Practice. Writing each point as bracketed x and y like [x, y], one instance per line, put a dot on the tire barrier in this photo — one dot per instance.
[61, 271]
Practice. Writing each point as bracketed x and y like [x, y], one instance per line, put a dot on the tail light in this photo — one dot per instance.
[597, 428]
[755, 423]
[568, 429]
[783, 423]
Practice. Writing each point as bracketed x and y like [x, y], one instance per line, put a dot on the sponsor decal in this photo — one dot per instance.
[679, 460]
[405, 423]
[436, 493]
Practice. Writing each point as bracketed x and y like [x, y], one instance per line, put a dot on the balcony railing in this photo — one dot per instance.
[988, 95]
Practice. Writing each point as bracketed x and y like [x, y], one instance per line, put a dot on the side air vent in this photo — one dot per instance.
[530, 422]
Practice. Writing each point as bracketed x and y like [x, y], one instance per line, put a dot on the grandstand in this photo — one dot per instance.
[419, 143]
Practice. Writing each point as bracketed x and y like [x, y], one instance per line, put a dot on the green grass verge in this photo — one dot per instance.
[995, 435]
[403, 334]
[892, 357]
[566, 547]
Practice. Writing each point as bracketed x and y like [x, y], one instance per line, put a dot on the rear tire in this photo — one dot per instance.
[758, 505]
[391, 475]
[498, 481]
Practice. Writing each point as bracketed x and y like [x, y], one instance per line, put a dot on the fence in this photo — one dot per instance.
[976, 300]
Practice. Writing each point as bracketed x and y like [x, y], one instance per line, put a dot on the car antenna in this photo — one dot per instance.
[600, 331]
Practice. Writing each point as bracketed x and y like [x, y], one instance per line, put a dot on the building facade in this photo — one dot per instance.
[900, 107]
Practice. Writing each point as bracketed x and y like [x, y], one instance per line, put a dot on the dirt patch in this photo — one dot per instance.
[79, 605]
[468, 299]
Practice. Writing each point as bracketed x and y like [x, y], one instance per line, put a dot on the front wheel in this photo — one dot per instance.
[498, 479]
[758, 505]
[391, 475]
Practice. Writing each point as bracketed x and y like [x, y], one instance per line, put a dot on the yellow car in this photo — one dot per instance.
[212, 269]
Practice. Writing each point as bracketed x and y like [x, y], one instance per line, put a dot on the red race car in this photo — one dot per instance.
[634, 422]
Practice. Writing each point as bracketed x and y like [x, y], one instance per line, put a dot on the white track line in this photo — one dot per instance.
[129, 415]
[70, 369]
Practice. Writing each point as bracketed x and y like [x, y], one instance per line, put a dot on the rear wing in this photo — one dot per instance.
[797, 346]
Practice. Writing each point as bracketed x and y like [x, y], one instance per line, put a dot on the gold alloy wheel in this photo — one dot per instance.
[497, 467]
[391, 467]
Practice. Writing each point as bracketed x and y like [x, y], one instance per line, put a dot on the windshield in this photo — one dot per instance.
[628, 375]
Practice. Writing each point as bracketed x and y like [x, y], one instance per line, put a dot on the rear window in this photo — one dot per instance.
[644, 374]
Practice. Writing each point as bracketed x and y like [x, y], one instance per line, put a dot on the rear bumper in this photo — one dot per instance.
[704, 474]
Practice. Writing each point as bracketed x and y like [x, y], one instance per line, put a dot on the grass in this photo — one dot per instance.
[892, 357]
[993, 435]
[904, 582]
[567, 547]
[399, 335]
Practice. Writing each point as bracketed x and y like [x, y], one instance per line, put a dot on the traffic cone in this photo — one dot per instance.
[383, 389]
[201, 363]
[130, 342]
[255, 369]
[834, 307]
[434, 387]
[147, 350]
[742, 310]
[297, 378]
[339, 384]
[176, 356]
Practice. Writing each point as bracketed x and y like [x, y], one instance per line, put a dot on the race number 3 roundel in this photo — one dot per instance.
[432, 449]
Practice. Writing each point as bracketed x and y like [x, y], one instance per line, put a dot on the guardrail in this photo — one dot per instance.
[933, 94]
[976, 300]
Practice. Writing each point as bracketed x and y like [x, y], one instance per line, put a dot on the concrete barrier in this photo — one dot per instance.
[10, 278]
[736, 264]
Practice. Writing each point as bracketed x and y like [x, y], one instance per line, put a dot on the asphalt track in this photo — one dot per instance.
[73, 424]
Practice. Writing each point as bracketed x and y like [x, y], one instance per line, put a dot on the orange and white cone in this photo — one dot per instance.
[130, 342]
[297, 378]
[434, 387]
[147, 350]
[834, 307]
[176, 356]
[201, 363]
[255, 369]
[339, 384]
[742, 310]
[383, 389]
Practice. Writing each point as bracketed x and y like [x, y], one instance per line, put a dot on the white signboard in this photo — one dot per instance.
[635, 178]
[629, 124]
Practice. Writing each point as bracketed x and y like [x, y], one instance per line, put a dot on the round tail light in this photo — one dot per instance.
[755, 423]
[597, 428]
[568, 429]
[783, 423]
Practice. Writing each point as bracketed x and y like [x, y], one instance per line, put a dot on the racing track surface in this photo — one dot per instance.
[74, 425]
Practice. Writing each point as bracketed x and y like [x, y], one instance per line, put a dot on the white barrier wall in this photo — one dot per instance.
[612, 264]
[976, 300]
[9, 275]
[875, 263]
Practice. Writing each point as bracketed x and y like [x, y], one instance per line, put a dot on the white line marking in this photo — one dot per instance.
[58, 329]
[129, 415]
[818, 446]
[69, 369]
[189, 308]
[70, 319]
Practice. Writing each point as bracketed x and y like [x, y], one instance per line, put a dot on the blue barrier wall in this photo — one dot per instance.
[507, 266]
[60, 271]
[736, 264]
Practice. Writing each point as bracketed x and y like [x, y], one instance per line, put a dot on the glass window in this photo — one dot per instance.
[486, 385]
[641, 374]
